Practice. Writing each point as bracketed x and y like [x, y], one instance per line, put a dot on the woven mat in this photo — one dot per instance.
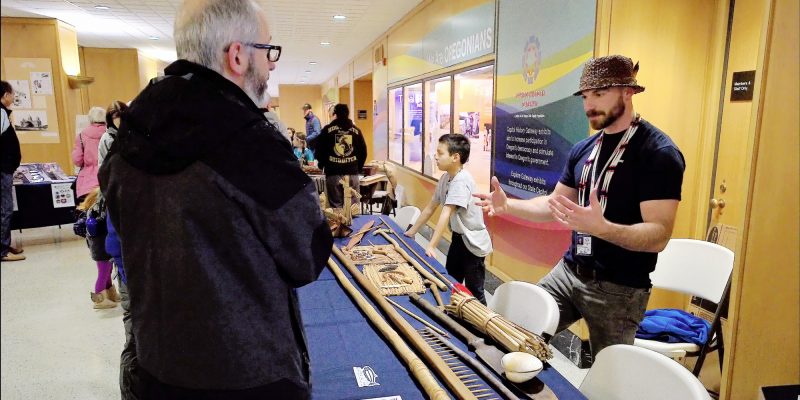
[395, 279]
[366, 255]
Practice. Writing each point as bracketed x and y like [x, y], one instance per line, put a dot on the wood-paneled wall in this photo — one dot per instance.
[363, 101]
[39, 38]
[115, 72]
[291, 102]
[149, 68]
[766, 343]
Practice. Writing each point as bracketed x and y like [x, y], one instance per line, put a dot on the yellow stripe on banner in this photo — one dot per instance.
[509, 85]
[404, 66]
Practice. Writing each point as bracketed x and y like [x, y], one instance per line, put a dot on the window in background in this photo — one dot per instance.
[473, 119]
[396, 125]
[412, 135]
[437, 98]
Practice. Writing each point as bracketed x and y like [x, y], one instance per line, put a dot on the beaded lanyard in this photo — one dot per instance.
[608, 170]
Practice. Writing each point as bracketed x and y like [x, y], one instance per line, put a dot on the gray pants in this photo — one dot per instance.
[335, 191]
[612, 311]
[127, 363]
[6, 209]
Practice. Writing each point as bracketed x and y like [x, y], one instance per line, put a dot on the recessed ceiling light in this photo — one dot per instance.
[312, 63]
[325, 43]
[308, 71]
[339, 17]
[153, 37]
[102, 7]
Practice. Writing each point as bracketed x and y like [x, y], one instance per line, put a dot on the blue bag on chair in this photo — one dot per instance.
[673, 326]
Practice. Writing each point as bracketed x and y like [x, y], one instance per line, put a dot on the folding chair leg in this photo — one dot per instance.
[716, 335]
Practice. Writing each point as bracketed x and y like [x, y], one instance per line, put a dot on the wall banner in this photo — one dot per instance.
[34, 110]
[541, 49]
[444, 34]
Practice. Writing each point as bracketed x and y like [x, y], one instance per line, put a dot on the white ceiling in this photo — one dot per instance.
[297, 25]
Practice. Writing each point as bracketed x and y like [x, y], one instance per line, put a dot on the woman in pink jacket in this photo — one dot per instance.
[84, 155]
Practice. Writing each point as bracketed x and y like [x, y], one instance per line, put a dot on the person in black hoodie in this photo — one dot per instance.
[341, 151]
[10, 157]
[217, 221]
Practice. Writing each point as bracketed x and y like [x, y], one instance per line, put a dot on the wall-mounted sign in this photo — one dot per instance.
[742, 85]
[35, 118]
[362, 114]
[542, 46]
[443, 34]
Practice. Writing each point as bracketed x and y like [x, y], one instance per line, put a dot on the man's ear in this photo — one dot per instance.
[237, 59]
[627, 92]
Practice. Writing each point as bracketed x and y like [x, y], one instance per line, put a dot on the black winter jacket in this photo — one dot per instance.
[10, 154]
[218, 225]
[341, 148]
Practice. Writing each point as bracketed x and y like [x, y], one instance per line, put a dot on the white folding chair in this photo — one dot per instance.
[526, 305]
[701, 269]
[407, 216]
[625, 372]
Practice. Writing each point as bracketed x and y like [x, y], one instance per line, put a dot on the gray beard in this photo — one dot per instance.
[255, 87]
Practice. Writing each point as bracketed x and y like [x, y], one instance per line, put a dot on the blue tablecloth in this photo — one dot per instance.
[341, 338]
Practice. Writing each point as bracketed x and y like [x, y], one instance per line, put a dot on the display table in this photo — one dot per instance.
[340, 338]
[36, 209]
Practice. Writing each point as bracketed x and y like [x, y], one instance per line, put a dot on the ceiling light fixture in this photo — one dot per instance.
[308, 71]
[153, 37]
[312, 63]
[102, 7]
[339, 17]
[325, 43]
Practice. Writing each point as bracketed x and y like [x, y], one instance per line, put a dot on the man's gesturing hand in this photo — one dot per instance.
[494, 203]
[581, 219]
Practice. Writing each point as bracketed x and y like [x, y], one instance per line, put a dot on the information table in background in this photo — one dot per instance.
[342, 342]
[43, 204]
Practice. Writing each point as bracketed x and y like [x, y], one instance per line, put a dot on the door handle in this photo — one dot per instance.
[718, 203]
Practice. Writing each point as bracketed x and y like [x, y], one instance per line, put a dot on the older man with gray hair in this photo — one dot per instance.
[217, 221]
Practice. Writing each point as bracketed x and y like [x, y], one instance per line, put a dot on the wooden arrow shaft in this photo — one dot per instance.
[406, 329]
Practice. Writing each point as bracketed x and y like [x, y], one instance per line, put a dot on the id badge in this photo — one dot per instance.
[583, 245]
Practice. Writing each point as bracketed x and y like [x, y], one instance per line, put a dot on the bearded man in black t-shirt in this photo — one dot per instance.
[619, 194]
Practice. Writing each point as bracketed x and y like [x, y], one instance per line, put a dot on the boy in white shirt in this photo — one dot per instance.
[471, 242]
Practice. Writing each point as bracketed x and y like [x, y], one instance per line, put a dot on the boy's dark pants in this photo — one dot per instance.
[466, 267]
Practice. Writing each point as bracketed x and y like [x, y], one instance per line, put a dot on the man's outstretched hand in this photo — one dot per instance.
[494, 203]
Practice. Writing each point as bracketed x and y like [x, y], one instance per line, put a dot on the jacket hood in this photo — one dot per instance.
[94, 131]
[178, 119]
[345, 123]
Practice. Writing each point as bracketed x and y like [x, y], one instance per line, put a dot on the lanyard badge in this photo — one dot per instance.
[589, 179]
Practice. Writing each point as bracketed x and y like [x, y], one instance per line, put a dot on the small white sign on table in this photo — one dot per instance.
[63, 196]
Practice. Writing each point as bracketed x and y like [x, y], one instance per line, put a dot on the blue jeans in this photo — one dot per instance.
[6, 209]
[612, 311]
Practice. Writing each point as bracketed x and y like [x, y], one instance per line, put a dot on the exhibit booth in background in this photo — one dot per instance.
[688, 52]
[56, 82]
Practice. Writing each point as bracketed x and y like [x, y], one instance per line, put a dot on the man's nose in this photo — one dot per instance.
[271, 65]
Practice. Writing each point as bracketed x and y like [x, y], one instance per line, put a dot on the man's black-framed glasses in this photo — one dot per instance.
[273, 52]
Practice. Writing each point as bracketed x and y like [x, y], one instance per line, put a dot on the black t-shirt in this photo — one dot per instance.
[651, 169]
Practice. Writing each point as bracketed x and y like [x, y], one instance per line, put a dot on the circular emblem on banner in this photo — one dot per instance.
[531, 60]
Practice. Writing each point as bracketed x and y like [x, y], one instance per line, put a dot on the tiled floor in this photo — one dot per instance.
[54, 344]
